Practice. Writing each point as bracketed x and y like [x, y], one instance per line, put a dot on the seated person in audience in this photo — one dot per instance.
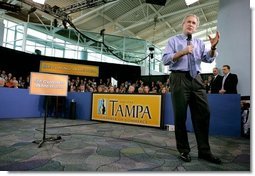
[154, 90]
[140, 90]
[164, 90]
[9, 83]
[9, 76]
[105, 89]
[21, 82]
[15, 84]
[123, 89]
[27, 83]
[73, 89]
[167, 83]
[2, 82]
[117, 90]
[229, 81]
[82, 88]
[90, 89]
[131, 89]
[100, 88]
[111, 89]
[146, 89]
[207, 85]
[3, 74]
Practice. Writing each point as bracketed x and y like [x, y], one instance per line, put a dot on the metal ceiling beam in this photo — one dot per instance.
[84, 20]
[80, 19]
[157, 12]
[170, 14]
[117, 20]
[85, 4]
[115, 23]
[151, 28]
[130, 12]
[206, 26]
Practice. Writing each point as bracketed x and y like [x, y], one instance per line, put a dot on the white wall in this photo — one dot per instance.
[234, 25]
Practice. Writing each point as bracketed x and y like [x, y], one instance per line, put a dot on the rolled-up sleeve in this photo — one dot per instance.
[206, 56]
[169, 53]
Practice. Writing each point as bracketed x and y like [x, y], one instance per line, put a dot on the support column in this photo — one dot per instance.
[1, 32]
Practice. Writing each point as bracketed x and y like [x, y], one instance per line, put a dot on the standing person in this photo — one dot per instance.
[216, 82]
[229, 81]
[187, 89]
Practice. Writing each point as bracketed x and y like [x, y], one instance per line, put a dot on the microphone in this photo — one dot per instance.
[189, 38]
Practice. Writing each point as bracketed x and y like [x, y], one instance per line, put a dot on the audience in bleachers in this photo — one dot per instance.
[87, 84]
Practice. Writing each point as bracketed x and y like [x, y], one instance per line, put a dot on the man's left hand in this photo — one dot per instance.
[214, 41]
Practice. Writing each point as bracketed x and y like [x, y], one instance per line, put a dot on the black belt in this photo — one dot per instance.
[179, 71]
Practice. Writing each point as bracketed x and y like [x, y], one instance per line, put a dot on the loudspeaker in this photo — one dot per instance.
[157, 2]
[38, 52]
[55, 23]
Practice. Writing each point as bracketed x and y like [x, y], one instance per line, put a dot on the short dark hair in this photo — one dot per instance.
[227, 66]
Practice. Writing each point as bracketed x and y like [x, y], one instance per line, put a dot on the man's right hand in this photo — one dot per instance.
[188, 49]
[222, 91]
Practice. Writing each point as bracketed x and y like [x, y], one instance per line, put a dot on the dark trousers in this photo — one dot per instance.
[186, 91]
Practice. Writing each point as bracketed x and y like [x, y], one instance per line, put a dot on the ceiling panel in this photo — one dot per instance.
[132, 18]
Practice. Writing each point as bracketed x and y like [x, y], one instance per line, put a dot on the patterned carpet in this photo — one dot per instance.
[93, 146]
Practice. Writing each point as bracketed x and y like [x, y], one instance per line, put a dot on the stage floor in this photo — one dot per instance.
[107, 147]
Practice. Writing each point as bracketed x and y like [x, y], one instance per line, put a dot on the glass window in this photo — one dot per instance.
[49, 51]
[40, 47]
[70, 54]
[11, 24]
[10, 37]
[19, 36]
[59, 41]
[19, 43]
[130, 48]
[58, 53]
[30, 46]
[36, 34]
[20, 28]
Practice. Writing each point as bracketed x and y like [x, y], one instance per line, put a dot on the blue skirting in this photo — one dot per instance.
[225, 109]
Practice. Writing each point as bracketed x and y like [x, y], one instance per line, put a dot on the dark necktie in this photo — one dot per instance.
[191, 61]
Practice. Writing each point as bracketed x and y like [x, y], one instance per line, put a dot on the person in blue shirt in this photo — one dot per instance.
[184, 54]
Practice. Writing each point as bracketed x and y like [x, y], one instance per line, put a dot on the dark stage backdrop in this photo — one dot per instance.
[10, 62]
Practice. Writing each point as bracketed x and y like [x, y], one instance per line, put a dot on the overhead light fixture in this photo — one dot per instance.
[32, 10]
[39, 1]
[64, 22]
[189, 2]
[55, 22]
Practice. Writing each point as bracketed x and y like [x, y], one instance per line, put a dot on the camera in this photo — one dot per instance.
[151, 48]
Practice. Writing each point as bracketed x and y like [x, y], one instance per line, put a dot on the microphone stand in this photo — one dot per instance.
[151, 49]
[44, 139]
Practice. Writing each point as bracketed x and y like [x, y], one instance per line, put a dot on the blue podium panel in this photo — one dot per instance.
[225, 114]
[17, 103]
[83, 104]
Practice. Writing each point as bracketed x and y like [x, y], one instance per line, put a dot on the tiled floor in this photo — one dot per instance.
[107, 147]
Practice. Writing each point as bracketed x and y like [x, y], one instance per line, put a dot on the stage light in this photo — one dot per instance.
[189, 2]
[64, 24]
[39, 1]
[32, 10]
[55, 23]
[156, 2]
